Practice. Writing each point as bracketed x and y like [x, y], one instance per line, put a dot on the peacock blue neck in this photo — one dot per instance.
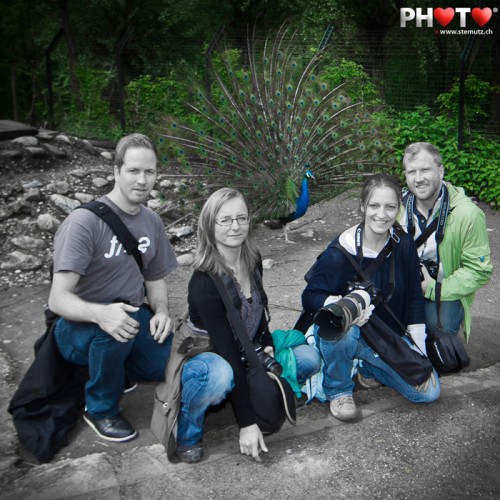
[302, 202]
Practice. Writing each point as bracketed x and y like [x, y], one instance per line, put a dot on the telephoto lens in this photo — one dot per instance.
[268, 362]
[334, 320]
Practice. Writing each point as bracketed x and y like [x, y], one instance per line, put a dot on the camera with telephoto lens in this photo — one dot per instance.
[267, 361]
[432, 269]
[334, 320]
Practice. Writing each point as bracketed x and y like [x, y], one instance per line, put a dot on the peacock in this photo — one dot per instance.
[270, 127]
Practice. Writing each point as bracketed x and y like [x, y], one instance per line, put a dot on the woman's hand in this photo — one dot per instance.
[269, 350]
[252, 441]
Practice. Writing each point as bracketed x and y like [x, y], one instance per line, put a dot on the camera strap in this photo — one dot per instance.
[437, 225]
[366, 273]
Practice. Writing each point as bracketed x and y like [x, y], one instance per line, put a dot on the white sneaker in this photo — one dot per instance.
[344, 408]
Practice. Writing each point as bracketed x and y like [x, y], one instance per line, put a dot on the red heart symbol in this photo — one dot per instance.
[444, 16]
[481, 16]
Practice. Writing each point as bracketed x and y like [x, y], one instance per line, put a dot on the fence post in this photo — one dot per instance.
[461, 90]
[208, 53]
[120, 76]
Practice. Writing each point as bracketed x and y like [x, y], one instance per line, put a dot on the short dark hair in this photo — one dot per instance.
[133, 141]
[414, 149]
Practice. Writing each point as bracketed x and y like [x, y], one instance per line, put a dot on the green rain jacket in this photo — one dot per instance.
[464, 253]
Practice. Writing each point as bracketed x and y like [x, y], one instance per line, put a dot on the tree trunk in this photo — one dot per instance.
[72, 53]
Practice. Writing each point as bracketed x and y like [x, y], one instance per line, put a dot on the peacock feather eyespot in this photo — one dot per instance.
[312, 78]
[249, 115]
[298, 119]
[324, 86]
[237, 173]
[315, 148]
[277, 148]
[310, 116]
[269, 139]
[348, 142]
[270, 156]
[289, 105]
[336, 149]
[326, 117]
[316, 102]
[289, 88]
[242, 94]
[173, 125]
[165, 159]
[302, 103]
[278, 94]
[274, 125]
[253, 98]
[180, 152]
[319, 131]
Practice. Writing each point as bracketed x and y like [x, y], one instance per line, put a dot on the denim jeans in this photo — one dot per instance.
[110, 361]
[206, 381]
[451, 315]
[337, 370]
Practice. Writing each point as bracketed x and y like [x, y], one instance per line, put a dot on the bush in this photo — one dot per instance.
[475, 168]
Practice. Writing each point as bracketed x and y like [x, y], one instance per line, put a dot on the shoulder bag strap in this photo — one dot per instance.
[236, 322]
[118, 227]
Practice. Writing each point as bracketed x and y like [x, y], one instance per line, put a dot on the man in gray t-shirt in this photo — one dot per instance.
[99, 290]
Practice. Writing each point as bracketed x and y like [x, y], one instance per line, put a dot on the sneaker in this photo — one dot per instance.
[344, 408]
[368, 382]
[190, 454]
[129, 386]
[116, 429]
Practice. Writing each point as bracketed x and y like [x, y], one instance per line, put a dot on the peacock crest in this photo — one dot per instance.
[269, 127]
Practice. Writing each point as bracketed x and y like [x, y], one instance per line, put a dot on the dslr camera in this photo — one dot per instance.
[334, 320]
[432, 269]
[268, 362]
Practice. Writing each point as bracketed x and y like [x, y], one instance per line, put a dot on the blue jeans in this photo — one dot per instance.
[110, 361]
[208, 378]
[451, 315]
[337, 370]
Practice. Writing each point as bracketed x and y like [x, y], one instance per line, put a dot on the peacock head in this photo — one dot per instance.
[309, 175]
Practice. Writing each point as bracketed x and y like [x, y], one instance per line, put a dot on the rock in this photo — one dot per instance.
[67, 205]
[267, 263]
[59, 153]
[60, 187]
[37, 152]
[5, 213]
[83, 197]
[28, 243]
[20, 207]
[154, 204]
[99, 182]
[26, 141]
[32, 184]
[166, 183]
[10, 154]
[19, 260]
[107, 155]
[185, 260]
[308, 234]
[89, 148]
[46, 135]
[184, 231]
[33, 195]
[47, 222]
[80, 173]
[62, 138]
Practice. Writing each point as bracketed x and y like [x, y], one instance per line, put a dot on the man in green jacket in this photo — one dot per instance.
[461, 261]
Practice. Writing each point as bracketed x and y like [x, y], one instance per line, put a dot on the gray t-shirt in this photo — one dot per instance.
[86, 245]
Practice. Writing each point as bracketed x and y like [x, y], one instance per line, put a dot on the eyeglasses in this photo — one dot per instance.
[242, 220]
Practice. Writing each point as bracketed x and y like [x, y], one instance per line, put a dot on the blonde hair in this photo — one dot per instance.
[207, 257]
[414, 149]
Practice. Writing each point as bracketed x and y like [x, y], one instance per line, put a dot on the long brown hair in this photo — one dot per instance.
[207, 257]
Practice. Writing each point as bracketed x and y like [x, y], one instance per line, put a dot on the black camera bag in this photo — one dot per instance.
[271, 397]
[446, 351]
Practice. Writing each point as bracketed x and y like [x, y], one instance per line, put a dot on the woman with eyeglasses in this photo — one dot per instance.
[226, 248]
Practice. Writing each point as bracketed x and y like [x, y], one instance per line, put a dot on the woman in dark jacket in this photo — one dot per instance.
[330, 280]
[226, 248]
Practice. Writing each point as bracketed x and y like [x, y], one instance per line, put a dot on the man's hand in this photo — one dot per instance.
[115, 320]
[252, 441]
[160, 326]
[427, 278]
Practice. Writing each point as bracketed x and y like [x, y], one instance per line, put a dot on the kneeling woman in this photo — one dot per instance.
[380, 201]
[226, 247]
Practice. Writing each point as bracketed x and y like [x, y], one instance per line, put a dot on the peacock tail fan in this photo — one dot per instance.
[264, 121]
